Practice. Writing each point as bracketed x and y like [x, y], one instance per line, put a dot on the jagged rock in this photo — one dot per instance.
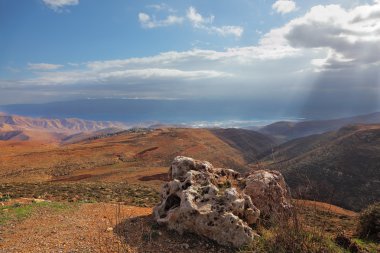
[216, 202]
[200, 199]
[268, 192]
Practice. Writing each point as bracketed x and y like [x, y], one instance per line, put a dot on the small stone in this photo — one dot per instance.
[38, 200]
[185, 246]
[109, 229]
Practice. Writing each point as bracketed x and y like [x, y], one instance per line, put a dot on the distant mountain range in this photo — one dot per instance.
[288, 130]
[78, 125]
[14, 127]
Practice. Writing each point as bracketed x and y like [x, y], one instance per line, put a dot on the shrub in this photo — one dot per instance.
[369, 223]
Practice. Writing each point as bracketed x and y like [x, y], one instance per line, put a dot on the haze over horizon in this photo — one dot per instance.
[276, 59]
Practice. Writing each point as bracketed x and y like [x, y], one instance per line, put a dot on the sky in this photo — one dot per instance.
[305, 56]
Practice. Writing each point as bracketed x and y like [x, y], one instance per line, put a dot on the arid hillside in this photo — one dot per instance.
[124, 156]
[341, 167]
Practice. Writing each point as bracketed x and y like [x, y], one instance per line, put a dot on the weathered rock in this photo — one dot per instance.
[268, 192]
[218, 203]
[201, 199]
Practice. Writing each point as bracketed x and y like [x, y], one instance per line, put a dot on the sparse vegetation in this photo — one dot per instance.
[296, 234]
[369, 223]
[291, 239]
[84, 192]
[18, 211]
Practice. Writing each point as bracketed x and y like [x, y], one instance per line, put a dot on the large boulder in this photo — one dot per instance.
[213, 202]
[269, 193]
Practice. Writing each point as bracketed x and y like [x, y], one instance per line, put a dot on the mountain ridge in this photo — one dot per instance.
[56, 124]
[288, 130]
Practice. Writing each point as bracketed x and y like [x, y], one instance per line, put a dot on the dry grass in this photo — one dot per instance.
[117, 158]
[84, 192]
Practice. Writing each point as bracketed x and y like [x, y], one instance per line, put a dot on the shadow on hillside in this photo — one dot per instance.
[143, 234]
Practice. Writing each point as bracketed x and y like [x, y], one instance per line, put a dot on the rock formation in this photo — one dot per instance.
[268, 192]
[216, 202]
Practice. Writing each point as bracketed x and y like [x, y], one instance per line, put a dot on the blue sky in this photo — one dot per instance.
[99, 30]
[294, 51]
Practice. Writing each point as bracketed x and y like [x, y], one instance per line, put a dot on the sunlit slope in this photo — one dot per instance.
[126, 156]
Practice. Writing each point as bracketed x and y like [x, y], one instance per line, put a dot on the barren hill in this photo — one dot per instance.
[341, 167]
[136, 155]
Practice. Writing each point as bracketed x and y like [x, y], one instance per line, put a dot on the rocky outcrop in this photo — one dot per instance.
[268, 192]
[212, 202]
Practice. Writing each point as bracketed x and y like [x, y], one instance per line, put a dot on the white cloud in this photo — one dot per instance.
[43, 66]
[161, 73]
[236, 31]
[201, 58]
[125, 76]
[57, 5]
[161, 7]
[350, 37]
[284, 6]
[197, 19]
[147, 21]
[205, 23]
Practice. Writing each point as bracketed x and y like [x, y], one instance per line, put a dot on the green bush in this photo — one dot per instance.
[369, 223]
